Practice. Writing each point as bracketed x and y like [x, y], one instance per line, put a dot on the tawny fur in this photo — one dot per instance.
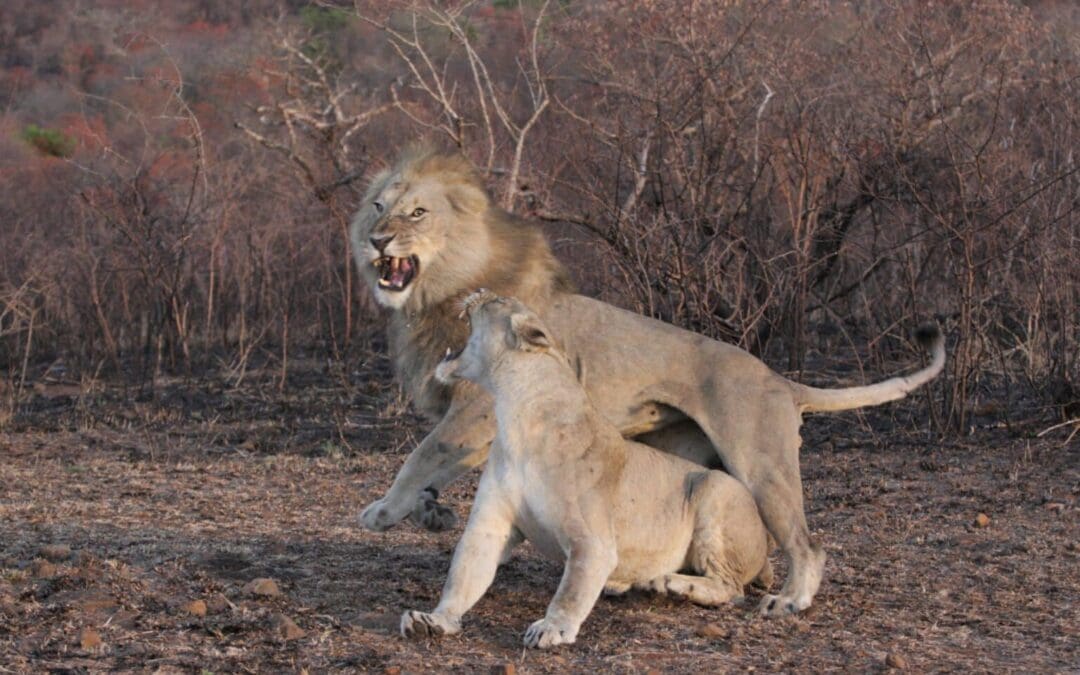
[620, 514]
[676, 390]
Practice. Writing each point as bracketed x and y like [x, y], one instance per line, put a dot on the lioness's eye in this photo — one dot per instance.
[378, 207]
[417, 212]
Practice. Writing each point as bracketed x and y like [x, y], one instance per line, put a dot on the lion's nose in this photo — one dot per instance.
[380, 243]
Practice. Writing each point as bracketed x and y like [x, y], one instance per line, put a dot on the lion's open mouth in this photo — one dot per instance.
[395, 274]
[452, 354]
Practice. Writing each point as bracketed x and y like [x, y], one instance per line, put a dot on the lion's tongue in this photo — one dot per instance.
[400, 272]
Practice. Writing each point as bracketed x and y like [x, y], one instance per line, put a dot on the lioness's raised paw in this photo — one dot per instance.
[431, 515]
[420, 625]
[544, 633]
[773, 606]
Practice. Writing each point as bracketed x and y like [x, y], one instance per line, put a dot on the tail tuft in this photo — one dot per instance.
[929, 336]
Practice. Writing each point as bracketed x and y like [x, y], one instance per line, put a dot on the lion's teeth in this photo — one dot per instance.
[448, 352]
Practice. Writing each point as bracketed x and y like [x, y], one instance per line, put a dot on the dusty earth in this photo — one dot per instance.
[208, 528]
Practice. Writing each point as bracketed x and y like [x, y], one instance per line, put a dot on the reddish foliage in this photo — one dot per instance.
[89, 131]
[910, 162]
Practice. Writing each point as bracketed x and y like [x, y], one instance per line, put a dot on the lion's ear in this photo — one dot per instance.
[528, 333]
[467, 199]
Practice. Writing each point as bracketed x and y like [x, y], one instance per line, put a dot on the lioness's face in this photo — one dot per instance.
[404, 241]
[501, 327]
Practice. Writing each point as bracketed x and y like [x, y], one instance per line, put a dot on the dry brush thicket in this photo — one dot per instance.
[801, 178]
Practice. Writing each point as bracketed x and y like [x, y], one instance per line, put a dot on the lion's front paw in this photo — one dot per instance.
[773, 606]
[416, 624]
[381, 515]
[545, 633]
[431, 515]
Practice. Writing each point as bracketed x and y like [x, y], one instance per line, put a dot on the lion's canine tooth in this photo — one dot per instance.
[448, 352]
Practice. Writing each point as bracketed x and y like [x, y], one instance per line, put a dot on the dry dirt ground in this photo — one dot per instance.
[133, 526]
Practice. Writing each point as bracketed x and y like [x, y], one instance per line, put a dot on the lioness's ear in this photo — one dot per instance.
[528, 333]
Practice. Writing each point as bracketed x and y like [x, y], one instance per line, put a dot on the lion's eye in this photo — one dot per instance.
[378, 207]
[417, 212]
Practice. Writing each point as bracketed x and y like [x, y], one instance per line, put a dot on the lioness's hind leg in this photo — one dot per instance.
[705, 591]
[615, 588]
[764, 578]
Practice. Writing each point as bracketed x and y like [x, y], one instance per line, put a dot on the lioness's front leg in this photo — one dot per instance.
[588, 566]
[459, 442]
[487, 536]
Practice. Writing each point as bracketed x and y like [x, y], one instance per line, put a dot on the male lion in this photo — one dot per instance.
[621, 514]
[428, 233]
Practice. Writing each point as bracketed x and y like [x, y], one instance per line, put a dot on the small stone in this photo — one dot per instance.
[42, 569]
[503, 669]
[393, 670]
[286, 627]
[195, 608]
[89, 639]
[262, 587]
[982, 520]
[894, 660]
[217, 604]
[55, 552]
[711, 630]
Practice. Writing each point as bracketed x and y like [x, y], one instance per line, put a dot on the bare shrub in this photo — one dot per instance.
[802, 179]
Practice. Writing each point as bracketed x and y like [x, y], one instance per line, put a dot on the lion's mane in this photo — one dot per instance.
[514, 260]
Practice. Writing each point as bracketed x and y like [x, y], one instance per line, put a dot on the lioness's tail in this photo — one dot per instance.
[812, 399]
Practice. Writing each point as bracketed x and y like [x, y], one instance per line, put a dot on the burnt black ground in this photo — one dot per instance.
[192, 493]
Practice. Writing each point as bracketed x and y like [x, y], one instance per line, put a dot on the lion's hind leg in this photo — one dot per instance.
[770, 470]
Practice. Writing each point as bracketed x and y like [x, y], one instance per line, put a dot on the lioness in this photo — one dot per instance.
[427, 233]
[620, 513]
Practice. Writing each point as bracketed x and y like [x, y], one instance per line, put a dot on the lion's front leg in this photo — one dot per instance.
[459, 442]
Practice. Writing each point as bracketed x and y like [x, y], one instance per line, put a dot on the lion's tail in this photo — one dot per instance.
[812, 399]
